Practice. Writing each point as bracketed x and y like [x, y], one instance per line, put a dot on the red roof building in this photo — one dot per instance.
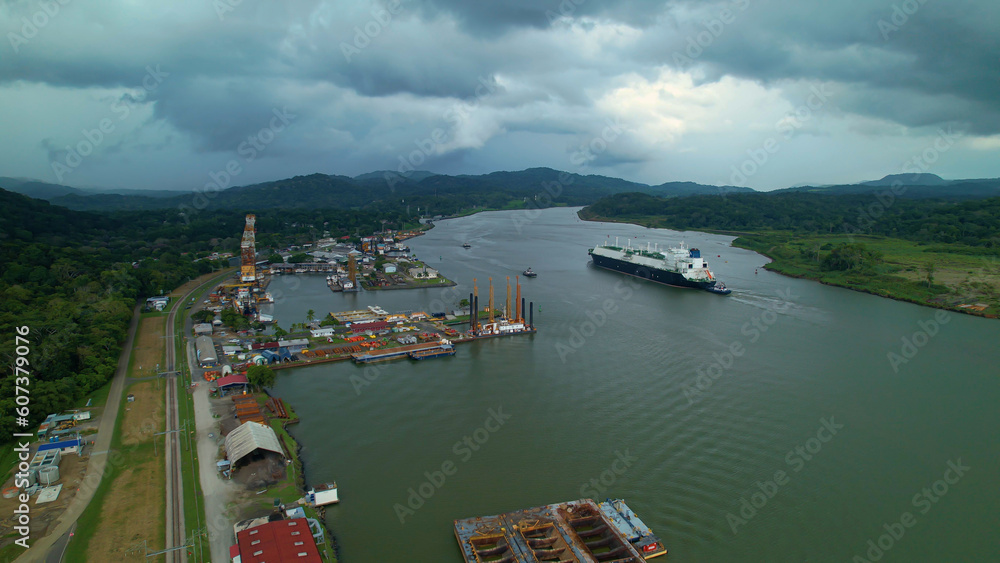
[282, 540]
[233, 379]
[373, 326]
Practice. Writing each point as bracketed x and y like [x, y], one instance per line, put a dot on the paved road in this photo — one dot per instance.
[55, 542]
[97, 465]
[217, 493]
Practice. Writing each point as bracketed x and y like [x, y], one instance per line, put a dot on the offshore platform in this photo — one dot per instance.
[248, 290]
[509, 321]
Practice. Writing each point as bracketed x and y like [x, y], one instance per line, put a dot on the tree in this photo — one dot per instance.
[260, 376]
[463, 303]
[299, 258]
[929, 268]
[203, 316]
[310, 315]
[279, 332]
[275, 258]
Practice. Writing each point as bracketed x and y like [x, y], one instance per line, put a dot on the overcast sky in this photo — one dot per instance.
[765, 94]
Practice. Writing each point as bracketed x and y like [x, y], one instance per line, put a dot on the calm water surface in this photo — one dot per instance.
[613, 373]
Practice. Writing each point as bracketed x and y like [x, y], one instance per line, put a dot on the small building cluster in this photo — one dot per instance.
[157, 303]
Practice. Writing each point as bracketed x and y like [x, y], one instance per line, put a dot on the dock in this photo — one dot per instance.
[428, 349]
[580, 531]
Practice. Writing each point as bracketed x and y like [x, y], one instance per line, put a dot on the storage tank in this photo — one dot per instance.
[48, 474]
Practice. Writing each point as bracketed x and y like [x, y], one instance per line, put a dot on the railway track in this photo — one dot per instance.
[172, 449]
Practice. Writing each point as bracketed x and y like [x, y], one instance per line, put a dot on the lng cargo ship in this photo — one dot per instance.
[676, 265]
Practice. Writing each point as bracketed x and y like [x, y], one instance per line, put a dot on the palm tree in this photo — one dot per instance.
[310, 315]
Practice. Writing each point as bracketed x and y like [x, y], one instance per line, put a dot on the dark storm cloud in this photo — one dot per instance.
[493, 17]
[907, 50]
[542, 72]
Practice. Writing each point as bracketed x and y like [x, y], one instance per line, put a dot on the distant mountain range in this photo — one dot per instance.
[543, 186]
[441, 193]
[918, 186]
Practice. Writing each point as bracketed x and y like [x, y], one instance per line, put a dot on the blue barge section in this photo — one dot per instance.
[580, 531]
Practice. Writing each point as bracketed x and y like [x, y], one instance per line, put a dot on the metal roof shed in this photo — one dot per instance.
[236, 380]
[206, 350]
[250, 437]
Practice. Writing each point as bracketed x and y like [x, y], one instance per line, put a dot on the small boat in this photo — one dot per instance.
[719, 288]
[466, 245]
[323, 495]
[529, 274]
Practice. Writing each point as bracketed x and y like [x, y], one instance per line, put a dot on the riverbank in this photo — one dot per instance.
[953, 277]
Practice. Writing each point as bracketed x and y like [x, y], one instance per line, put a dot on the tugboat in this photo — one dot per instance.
[719, 288]
[466, 245]
[528, 273]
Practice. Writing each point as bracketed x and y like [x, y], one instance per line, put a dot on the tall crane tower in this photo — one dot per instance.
[248, 252]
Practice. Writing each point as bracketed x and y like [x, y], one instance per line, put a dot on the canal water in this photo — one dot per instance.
[789, 421]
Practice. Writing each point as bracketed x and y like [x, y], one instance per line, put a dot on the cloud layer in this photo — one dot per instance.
[761, 93]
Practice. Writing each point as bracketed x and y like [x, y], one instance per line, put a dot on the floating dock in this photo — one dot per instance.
[434, 349]
[444, 350]
[580, 531]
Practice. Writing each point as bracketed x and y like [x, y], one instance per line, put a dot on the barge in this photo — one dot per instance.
[443, 350]
[580, 531]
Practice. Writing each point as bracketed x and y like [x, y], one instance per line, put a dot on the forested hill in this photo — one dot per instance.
[433, 194]
[974, 223]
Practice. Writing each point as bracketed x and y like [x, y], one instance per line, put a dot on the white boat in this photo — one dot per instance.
[323, 495]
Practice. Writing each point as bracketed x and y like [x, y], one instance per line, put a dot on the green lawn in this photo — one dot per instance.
[959, 274]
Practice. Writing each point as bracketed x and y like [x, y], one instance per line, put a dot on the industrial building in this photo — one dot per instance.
[63, 447]
[280, 540]
[206, 351]
[203, 328]
[232, 383]
[251, 438]
[366, 326]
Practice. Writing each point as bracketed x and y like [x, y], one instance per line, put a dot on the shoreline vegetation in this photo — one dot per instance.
[955, 277]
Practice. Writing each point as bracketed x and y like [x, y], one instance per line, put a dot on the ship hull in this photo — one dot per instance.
[645, 272]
